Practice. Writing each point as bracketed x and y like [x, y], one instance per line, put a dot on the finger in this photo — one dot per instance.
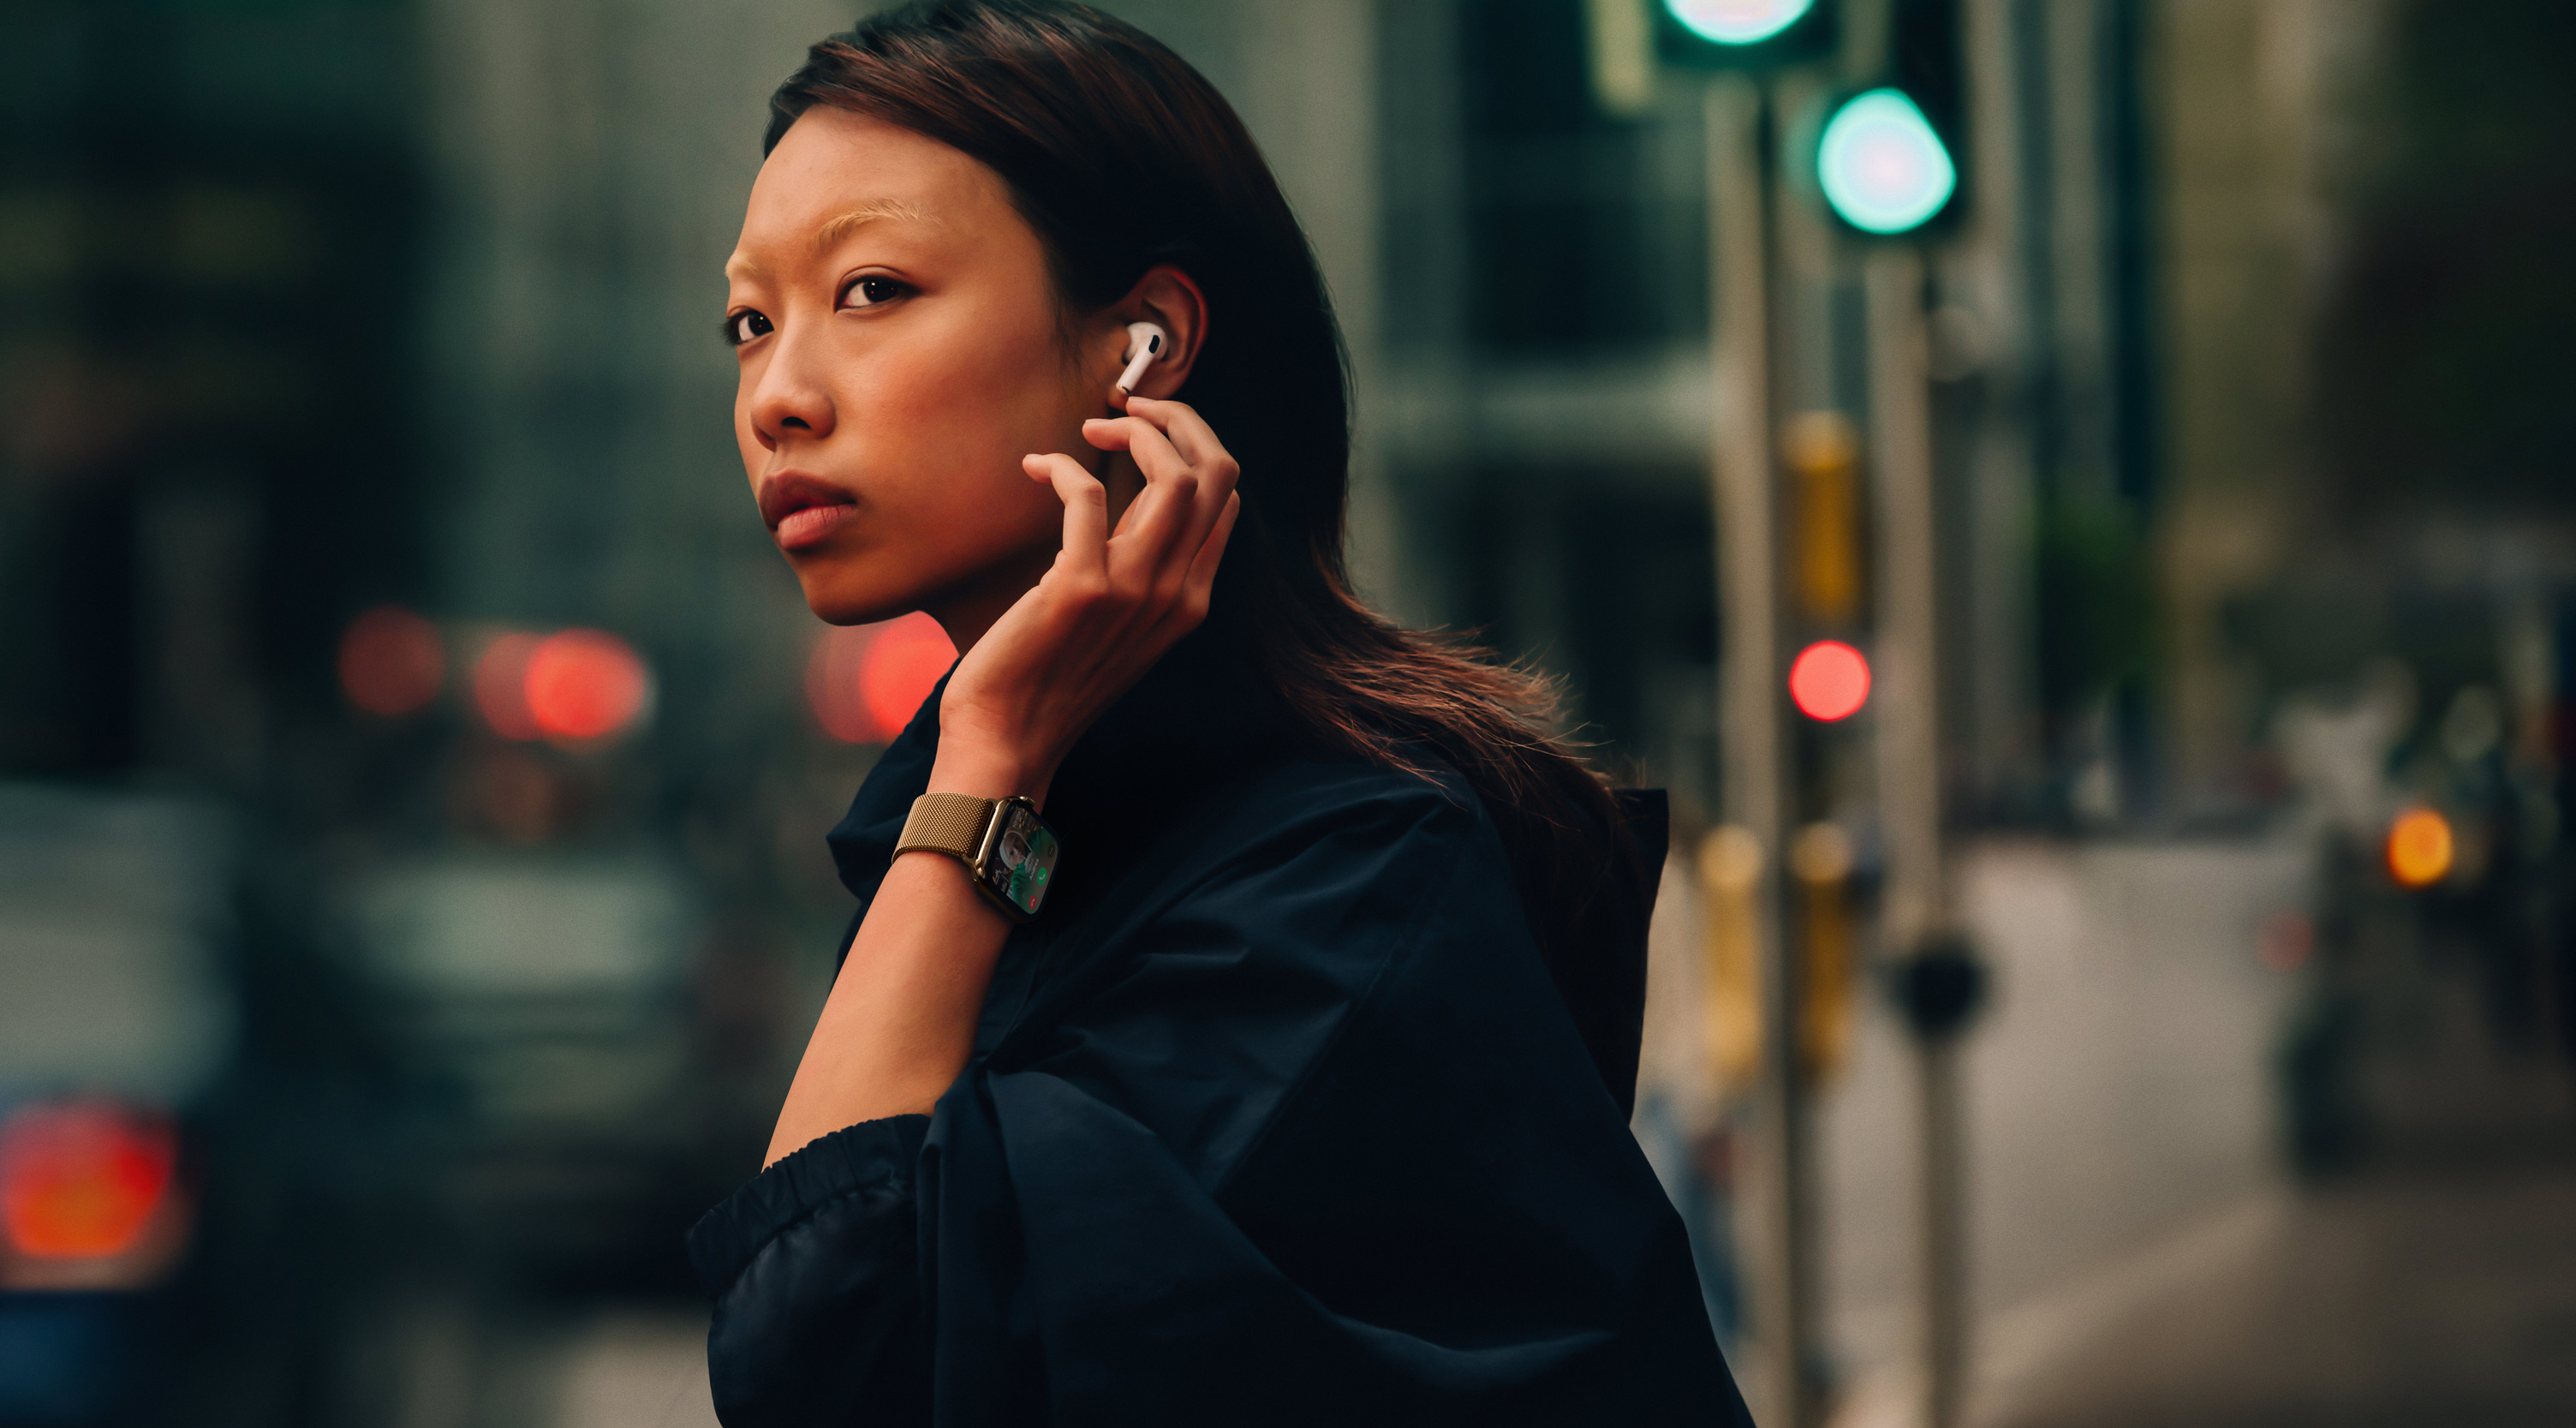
[1212, 550]
[1086, 510]
[1189, 432]
[1169, 480]
[1189, 606]
[1197, 444]
[1152, 543]
[1155, 455]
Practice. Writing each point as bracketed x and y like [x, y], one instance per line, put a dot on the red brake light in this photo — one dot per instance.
[81, 1180]
[585, 684]
[865, 681]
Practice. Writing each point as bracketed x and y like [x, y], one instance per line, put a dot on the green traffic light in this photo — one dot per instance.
[1737, 22]
[1882, 167]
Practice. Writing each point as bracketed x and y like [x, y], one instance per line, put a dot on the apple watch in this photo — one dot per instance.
[1008, 852]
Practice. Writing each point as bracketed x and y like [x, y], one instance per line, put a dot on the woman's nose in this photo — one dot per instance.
[790, 402]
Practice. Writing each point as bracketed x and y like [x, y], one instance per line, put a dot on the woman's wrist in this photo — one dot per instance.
[978, 771]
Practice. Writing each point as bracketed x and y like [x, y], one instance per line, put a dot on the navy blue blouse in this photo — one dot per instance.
[1274, 1115]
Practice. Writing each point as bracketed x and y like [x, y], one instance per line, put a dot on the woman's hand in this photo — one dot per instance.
[1111, 604]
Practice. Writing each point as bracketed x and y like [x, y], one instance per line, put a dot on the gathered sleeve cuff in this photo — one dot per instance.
[815, 1270]
[870, 1161]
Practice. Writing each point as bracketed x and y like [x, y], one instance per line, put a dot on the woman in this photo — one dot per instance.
[1302, 1095]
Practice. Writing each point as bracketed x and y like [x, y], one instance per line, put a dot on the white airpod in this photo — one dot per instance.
[1145, 342]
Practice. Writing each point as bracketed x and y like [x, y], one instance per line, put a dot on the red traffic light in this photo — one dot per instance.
[1829, 681]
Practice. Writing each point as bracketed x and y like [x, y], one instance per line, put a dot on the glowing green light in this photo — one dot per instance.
[1738, 22]
[1882, 167]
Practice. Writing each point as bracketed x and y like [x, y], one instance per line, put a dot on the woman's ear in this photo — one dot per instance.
[1169, 299]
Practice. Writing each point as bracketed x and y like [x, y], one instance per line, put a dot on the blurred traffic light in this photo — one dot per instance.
[1829, 681]
[1730, 872]
[1820, 858]
[1742, 34]
[1822, 450]
[1881, 165]
[1887, 158]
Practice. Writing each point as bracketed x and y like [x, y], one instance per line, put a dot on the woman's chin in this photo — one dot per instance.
[837, 600]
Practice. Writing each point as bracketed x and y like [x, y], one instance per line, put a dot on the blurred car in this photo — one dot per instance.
[115, 1016]
[540, 1002]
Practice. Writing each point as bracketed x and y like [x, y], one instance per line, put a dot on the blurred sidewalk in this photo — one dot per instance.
[2436, 1287]
[2419, 1295]
[635, 1369]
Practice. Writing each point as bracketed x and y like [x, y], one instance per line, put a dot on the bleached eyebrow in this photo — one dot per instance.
[840, 226]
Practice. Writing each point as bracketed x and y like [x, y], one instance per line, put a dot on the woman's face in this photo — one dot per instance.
[900, 349]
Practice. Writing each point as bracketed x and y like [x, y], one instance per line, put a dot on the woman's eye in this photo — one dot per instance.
[871, 290]
[741, 327]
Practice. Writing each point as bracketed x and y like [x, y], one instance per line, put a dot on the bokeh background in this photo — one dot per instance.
[414, 758]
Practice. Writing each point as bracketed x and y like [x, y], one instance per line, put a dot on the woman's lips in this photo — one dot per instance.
[801, 508]
[801, 528]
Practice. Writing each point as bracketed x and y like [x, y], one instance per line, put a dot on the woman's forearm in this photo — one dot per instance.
[900, 1021]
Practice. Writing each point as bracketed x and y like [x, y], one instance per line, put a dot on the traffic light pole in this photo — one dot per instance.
[1908, 739]
[1916, 900]
[1752, 733]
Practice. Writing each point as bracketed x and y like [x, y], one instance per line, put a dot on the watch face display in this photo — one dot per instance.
[1023, 860]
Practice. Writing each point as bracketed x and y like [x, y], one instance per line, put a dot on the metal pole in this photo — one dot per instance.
[1740, 224]
[1944, 1249]
[1908, 739]
[1909, 786]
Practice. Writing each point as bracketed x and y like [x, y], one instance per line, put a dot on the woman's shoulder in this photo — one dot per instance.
[1312, 805]
[1417, 781]
[1298, 855]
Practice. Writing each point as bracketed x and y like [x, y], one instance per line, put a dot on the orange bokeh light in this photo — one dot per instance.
[391, 661]
[2419, 848]
[585, 684]
[865, 682]
[1829, 681]
[501, 686]
[81, 1180]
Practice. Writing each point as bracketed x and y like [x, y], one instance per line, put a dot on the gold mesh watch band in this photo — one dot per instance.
[951, 823]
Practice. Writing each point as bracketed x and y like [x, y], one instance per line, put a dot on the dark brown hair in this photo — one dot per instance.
[1122, 157]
